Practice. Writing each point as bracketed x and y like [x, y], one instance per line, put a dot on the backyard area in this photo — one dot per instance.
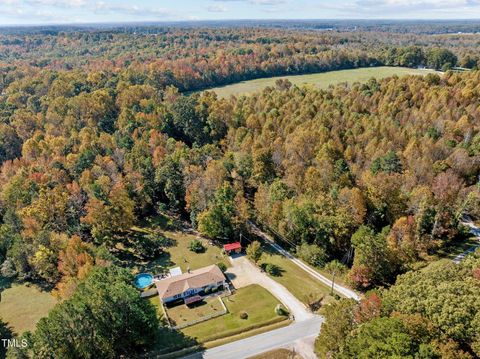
[321, 80]
[180, 254]
[22, 306]
[176, 254]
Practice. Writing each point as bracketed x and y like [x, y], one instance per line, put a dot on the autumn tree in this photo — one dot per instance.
[372, 263]
[116, 209]
[115, 320]
[254, 251]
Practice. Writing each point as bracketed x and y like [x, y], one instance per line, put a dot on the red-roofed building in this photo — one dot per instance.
[230, 248]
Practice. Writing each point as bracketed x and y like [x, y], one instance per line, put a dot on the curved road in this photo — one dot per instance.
[279, 338]
[476, 232]
[306, 326]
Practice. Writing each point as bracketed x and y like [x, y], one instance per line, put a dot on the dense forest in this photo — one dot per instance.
[198, 58]
[97, 135]
[428, 314]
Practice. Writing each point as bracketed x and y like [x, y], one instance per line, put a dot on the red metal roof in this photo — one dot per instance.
[232, 246]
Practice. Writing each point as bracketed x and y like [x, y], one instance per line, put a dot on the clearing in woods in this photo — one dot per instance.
[321, 80]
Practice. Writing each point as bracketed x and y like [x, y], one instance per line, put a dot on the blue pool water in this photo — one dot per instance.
[143, 280]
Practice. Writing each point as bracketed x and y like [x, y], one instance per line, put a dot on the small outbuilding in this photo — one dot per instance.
[230, 248]
[175, 271]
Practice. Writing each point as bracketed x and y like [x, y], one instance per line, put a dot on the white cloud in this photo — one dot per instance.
[395, 5]
[217, 8]
[267, 2]
[57, 3]
[104, 8]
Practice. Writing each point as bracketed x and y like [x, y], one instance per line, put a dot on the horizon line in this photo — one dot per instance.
[197, 21]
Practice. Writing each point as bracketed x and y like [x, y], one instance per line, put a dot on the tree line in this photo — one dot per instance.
[197, 58]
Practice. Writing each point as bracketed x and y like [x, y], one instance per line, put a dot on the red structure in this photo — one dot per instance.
[232, 248]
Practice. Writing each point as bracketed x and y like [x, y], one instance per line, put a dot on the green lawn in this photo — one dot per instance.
[292, 277]
[178, 255]
[181, 314]
[253, 299]
[181, 255]
[21, 306]
[321, 80]
[155, 300]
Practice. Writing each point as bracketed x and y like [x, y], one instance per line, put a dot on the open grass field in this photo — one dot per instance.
[21, 306]
[256, 301]
[292, 277]
[321, 80]
[181, 314]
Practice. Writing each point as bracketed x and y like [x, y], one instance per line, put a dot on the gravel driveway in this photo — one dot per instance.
[243, 272]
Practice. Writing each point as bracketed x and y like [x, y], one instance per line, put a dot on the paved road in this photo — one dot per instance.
[476, 232]
[245, 272]
[279, 338]
[346, 292]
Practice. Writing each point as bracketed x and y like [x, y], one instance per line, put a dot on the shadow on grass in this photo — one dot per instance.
[457, 247]
[155, 265]
[170, 341]
[5, 283]
[272, 269]
[268, 249]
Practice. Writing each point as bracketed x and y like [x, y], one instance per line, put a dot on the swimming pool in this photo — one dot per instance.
[143, 280]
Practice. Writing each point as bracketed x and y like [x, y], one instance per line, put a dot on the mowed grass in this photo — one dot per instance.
[253, 299]
[321, 80]
[296, 280]
[155, 301]
[21, 306]
[181, 314]
[180, 255]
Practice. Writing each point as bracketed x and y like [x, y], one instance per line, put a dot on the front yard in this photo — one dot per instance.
[257, 302]
[277, 354]
[295, 279]
[181, 314]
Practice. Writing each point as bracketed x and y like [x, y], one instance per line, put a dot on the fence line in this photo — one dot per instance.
[203, 319]
[149, 293]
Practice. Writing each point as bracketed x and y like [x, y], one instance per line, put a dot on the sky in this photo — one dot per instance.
[96, 11]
